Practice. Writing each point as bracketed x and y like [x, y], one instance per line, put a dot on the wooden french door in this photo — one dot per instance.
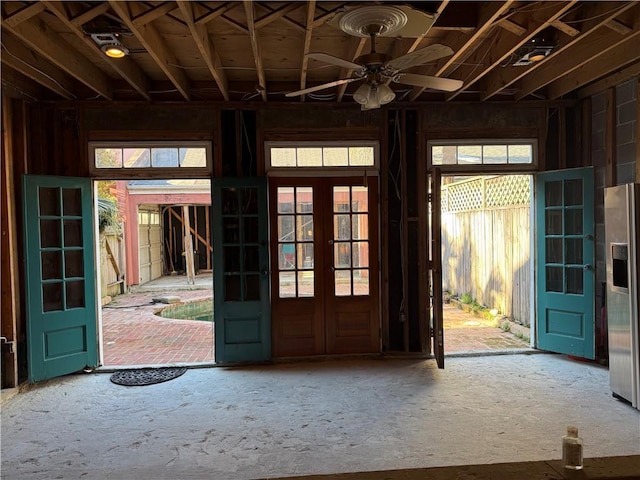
[324, 275]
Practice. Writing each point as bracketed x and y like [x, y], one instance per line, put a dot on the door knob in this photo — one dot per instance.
[588, 266]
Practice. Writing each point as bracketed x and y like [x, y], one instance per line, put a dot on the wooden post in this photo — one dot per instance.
[188, 246]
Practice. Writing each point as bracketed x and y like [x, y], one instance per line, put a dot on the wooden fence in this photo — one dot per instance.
[112, 264]
[486, 242]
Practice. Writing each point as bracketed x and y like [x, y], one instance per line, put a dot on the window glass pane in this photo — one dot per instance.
[573, 222]
[361, 156]
[231, 259]
[336, 156]
[305, 256]
[287, 284]
[72, 202]
[248, 201]
[164, 157]
[448, 155]
[469, 154]
[52, 297]
[574, 280]
[554, 279]
[50, 233]
[553, 222]
[494, 154]
[360, 227]
[285, 199]
[573, 192]
[342, 227]
[553, 250]
[251, 229]
[361, 282]
[304, 199]
[230, 201]
[283, 157]
[193, 157]
[137, 157]
[252, 287]
[436, 155]
[305, 284]
[574, 251]
[108, 157]
[230, 230]
[342, 255]
[285, 228]
[360, 252]
[520, 153]
[310, 157]
[553, 194]
[49, 201]
[341, 199]
[51, 265]
[359, 199]
[73, 264]
[75, 294]
[342, 283]
[73, 233]
[286, 256]
[304, 228]
[232, 289]
[251, 259]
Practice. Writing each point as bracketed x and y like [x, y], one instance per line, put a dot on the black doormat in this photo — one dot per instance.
[146, 376]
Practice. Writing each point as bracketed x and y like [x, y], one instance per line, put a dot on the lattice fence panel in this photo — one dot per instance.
[464, 196]
[507, 191]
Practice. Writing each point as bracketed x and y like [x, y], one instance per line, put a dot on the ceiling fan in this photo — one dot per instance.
[378, 70]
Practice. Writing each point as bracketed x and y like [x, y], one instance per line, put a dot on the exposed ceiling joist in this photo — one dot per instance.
[124, 66]
[30, 64]
[311, 9]
[56, 50]
[278, 14]
[255, 47]
[462, 45]
[205, 46]
[599, 42]
[154, 13]
[632, 71]
[512, 27]
[614, 59]
[617, 26]
[90, 14]
[565, 28]
[155, 45]
[24, 14]
[596, 14]
[215, 13]
[501, 48]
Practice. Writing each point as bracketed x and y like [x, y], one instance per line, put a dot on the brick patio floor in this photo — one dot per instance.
[135, 335]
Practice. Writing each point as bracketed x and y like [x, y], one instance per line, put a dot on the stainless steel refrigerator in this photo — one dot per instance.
[622, 222]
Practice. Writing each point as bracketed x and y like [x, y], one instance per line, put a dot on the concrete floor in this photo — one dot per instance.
[314, 418]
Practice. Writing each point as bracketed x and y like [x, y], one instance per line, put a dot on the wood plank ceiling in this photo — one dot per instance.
[255, 51]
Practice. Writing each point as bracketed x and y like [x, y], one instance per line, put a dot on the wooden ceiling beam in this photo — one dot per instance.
[621, 76]
[490, 12]
[126, 67]
[357, 47]
[602, 64]
[155, 45]
[215, 13]
[599, 42]
[277, 14]
[598, 12]
[37, 35]
[255, 47]
[512, 27]
[565, 28]
[154, 13]
[205, 46]
[311, 9]
[32, 65]
[617, 26]
[505, 46]
[90, 14]
[23, 14]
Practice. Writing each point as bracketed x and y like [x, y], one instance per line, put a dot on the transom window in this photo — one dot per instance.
[155, 155]
[328, 155]
[492, 152]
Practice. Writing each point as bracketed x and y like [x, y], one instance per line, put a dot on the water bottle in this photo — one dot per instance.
[572, 449]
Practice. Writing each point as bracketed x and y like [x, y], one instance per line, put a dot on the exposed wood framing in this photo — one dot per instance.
[565, 28]
[24, 14]
[153, 14]
[619, 27]
[278, 14]
[205, 46]
[637, 128]
[124, 66]
[311, 8]
[215, 13]
[90, 14]
[255, 47]
[155, 46]
[562, 138]
[612, 80]
[512, 27]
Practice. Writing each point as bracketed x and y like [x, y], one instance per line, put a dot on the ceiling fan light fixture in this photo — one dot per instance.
[362, 94]
[385, 94]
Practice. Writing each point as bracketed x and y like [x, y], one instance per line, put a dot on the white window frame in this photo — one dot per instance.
[484, 168]
[323, 171]
[151, 172]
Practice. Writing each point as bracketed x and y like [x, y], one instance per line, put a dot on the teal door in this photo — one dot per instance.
[565, 275]
[241, 270]
[60, 269]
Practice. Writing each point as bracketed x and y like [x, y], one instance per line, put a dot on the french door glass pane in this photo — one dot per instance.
[553, 222]
[554, 279]
[574, 280]
[72, 202]
[73, 233]
[49, 201]
[553, 194]
[50, 233]
[361, 282]
[553, 250]
[342, 283]
[573, 192]
[573, 222]
[574, 251]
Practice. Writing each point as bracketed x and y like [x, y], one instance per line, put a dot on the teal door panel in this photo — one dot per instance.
[241, 270]
[60, 276]
[565, 277]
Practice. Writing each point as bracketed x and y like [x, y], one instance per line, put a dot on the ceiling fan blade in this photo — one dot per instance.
[419, 57]
[437, 83]
[340, 62]
[321, 87]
